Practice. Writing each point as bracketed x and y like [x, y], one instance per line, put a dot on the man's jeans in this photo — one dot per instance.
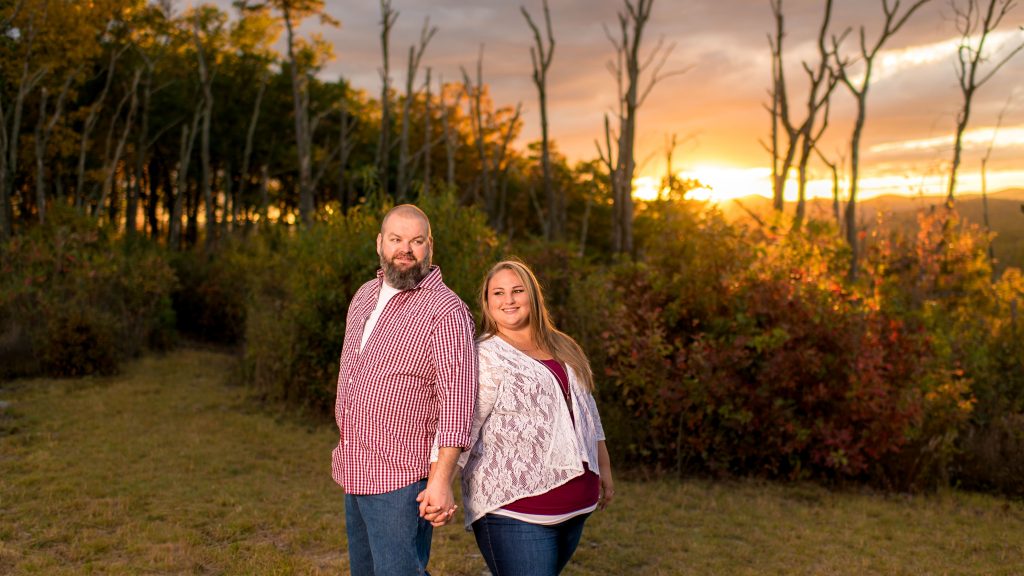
[386, 536]
[515, 548]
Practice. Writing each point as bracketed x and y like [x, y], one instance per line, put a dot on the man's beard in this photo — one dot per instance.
[404, 279]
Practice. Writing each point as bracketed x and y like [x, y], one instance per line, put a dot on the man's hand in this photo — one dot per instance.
[437, 504]
[437, 501]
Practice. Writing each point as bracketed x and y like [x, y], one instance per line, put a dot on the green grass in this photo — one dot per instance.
[168, 470]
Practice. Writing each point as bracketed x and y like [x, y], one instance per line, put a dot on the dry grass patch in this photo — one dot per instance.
[165, 469]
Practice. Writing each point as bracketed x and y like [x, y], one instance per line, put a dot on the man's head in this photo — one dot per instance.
[405, 246]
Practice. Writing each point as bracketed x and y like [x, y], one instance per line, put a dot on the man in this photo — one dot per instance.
[407, 383]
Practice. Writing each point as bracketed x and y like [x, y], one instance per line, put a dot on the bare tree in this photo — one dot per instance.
[540, 56]
[29, 78]
[6, 217]
[141, 146]
[345, 147]
[781, 161]
[894, 20]
[206, 77]
[250, 135]
[834, 170]
[188, 138]
[293, 12]
[474, 95]
[984, 177]
[451, 136]
[974, 22]
[110, 167]
[802, 136]
[428, 133]
[501, 164]
[388, 16]
[44, 129]
[627, 69]
[415, 55]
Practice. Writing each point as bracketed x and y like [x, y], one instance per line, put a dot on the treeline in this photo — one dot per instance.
[724, 350]
[181, 126]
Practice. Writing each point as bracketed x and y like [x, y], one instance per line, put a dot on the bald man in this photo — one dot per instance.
[406, 388]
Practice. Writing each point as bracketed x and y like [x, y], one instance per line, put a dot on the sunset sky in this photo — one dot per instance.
[716, 109]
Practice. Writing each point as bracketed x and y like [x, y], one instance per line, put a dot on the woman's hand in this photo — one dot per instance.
[604, 463]
[607, 493]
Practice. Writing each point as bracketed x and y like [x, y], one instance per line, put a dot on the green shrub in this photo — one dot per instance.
[296, 313]
[213, 287]
[992, 456]
[941, 277]
[80, 299]
[746, 353]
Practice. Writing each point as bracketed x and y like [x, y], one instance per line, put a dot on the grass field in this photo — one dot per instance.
[166, 469]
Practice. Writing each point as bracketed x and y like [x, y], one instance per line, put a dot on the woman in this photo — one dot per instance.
[538, 465]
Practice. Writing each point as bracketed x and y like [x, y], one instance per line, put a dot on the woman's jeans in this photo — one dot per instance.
[515, 548]
[386, 536]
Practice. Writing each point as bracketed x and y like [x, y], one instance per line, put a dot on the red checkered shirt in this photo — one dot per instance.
[415, 380]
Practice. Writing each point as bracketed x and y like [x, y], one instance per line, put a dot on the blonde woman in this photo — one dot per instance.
[538, 465]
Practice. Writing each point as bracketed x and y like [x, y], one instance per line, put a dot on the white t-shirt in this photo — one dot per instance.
[386, 293]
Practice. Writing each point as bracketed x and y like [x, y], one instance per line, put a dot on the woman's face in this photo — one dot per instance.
[508, 301]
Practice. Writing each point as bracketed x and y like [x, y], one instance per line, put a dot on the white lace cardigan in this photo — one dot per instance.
[523, 442]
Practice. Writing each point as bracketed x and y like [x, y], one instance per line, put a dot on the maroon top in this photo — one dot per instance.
[576, 494]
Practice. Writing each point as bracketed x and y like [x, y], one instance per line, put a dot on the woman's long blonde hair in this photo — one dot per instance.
[542, 330]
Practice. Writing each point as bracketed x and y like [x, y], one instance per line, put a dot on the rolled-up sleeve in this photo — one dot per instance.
[456, 364]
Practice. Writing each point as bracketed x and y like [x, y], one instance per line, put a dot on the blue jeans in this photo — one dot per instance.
[515, 548]
[386, 536]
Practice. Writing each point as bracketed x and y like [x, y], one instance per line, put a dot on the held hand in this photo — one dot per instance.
[607, 492]
[437, 503]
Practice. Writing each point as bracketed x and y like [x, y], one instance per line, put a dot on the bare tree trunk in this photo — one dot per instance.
[821, 83]
[584, 227]
[6, 215]
[250, 136]
[206, 82]
[188, 138]
[628, 68]
[44, 129]
[26, 84]
[969, 61]
[501, 165]
[388, 17]
[141, 150]
[153, 196]
[90, 124]
[264, 196]
[820, 79]
[303, 134]
[230, 210]
[450, 136]
[893, 22]
[474, 95]
[540, 56]
[415, 55]
[984, 177]
[345, 148]
[428, 134]
[111, 168]
[834, 169]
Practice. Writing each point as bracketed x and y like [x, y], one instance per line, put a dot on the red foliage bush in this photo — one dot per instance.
[770, 366]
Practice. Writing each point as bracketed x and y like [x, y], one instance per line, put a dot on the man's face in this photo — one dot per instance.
[404, 247]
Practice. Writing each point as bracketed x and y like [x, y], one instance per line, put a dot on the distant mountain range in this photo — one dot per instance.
[1005, 210]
